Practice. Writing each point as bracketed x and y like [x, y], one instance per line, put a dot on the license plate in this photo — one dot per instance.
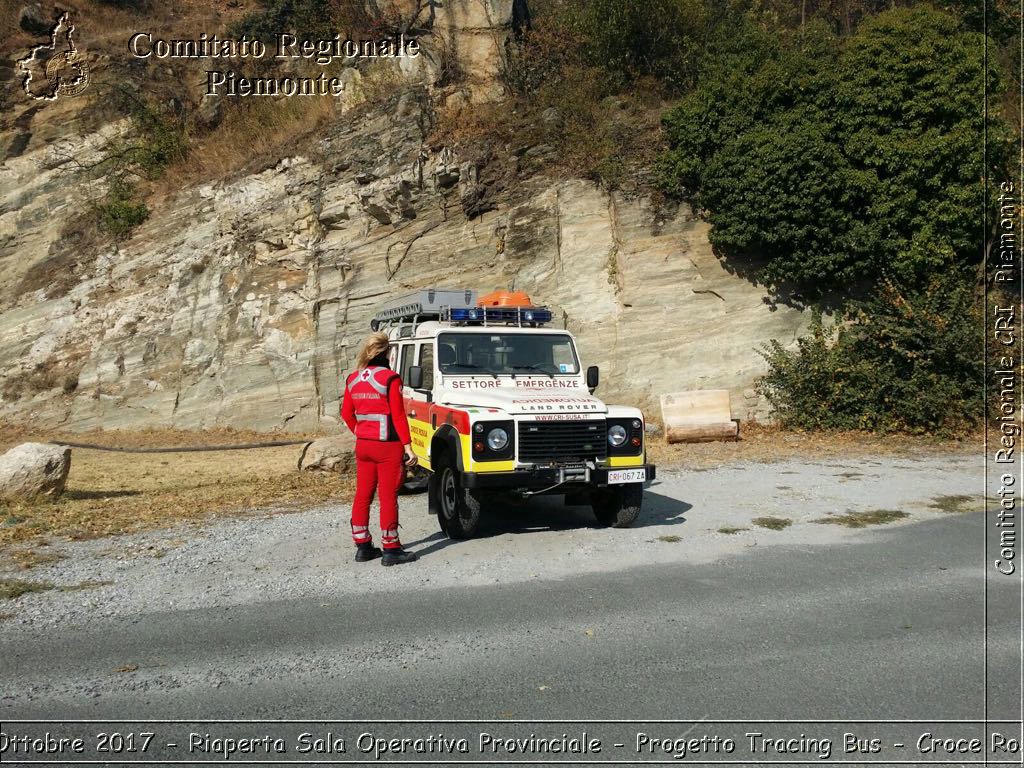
[619, 476]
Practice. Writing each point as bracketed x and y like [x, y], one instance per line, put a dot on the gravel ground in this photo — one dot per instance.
[270, 556]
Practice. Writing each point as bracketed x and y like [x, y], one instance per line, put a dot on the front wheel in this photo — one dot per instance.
[617, 506]
[458, 509]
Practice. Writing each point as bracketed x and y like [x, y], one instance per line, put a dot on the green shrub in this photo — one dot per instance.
[635, 38]
[157, 139]
[903, 362]
[118, 213]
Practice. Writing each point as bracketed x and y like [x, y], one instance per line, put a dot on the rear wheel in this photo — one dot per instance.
[457, 508]
[617, 506]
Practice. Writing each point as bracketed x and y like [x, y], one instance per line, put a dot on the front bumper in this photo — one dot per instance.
[545, 477]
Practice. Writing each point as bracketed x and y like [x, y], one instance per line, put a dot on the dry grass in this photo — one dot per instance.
[863, 519]
[12, 588]
[115, 493]
[88, 584]
[759, 443]
[254, 134]
[960, 503]
[729, 530]
[772, 523]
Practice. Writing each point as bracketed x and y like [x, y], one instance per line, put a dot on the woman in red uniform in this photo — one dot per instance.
[373, 410]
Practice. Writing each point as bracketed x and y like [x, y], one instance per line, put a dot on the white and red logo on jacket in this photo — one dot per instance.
[368, 389]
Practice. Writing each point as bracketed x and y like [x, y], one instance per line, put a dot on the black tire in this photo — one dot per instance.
[457, 509]
[617, 506]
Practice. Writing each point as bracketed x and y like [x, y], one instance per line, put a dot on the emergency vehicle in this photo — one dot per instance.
[499, 402]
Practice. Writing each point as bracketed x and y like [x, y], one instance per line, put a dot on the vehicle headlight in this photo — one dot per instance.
[497, 439]
[616, 435]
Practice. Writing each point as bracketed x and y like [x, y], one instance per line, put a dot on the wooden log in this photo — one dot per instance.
[698, 416]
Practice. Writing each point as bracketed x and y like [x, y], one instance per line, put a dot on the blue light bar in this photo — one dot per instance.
[507, 315]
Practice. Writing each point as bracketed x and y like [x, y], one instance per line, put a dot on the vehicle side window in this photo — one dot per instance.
[427, 364]
[407, 358]
[562, 356]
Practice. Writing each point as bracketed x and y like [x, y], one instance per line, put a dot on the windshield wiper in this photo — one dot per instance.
[533, 368]
[468, 365]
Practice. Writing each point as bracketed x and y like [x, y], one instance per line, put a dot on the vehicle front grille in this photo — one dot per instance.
[542, 442]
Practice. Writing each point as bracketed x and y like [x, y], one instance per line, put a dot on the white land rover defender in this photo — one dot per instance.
[497, 402]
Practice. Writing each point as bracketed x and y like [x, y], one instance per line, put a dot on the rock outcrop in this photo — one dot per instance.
[34, 470]
[242, 303]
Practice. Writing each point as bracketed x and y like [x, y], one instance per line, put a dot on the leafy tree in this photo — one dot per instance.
[838, 162]
[909, 109]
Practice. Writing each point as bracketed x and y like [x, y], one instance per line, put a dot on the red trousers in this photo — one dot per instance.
[378, 468]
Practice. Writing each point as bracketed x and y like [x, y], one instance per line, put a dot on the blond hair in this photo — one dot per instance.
[375, 344]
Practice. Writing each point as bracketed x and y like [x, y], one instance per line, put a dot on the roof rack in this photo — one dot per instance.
[424, 304]
[459, 307]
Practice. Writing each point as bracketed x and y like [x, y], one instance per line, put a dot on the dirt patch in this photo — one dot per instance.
[114, 493]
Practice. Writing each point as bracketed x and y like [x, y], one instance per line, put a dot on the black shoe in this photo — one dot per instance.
[398, 556]
[366, 552]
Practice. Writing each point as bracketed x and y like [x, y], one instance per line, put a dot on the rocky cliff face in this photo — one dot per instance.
[243, 303]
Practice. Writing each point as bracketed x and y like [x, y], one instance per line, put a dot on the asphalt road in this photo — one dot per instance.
[548, 618]
[887, 627]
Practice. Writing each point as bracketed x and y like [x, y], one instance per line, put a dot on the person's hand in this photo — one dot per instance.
[410, 457]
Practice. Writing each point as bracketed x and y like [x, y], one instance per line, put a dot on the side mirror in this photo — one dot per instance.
[593, 377]
[415, 378]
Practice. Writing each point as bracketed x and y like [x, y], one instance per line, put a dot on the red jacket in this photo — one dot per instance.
[372, 405]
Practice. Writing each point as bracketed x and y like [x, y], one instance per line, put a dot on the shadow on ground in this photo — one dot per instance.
[551, 513]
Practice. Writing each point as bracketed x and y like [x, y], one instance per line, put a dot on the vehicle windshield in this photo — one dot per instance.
[520, 354]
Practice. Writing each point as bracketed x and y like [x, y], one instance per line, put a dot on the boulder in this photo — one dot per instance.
[34, 470]
[329, 454]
